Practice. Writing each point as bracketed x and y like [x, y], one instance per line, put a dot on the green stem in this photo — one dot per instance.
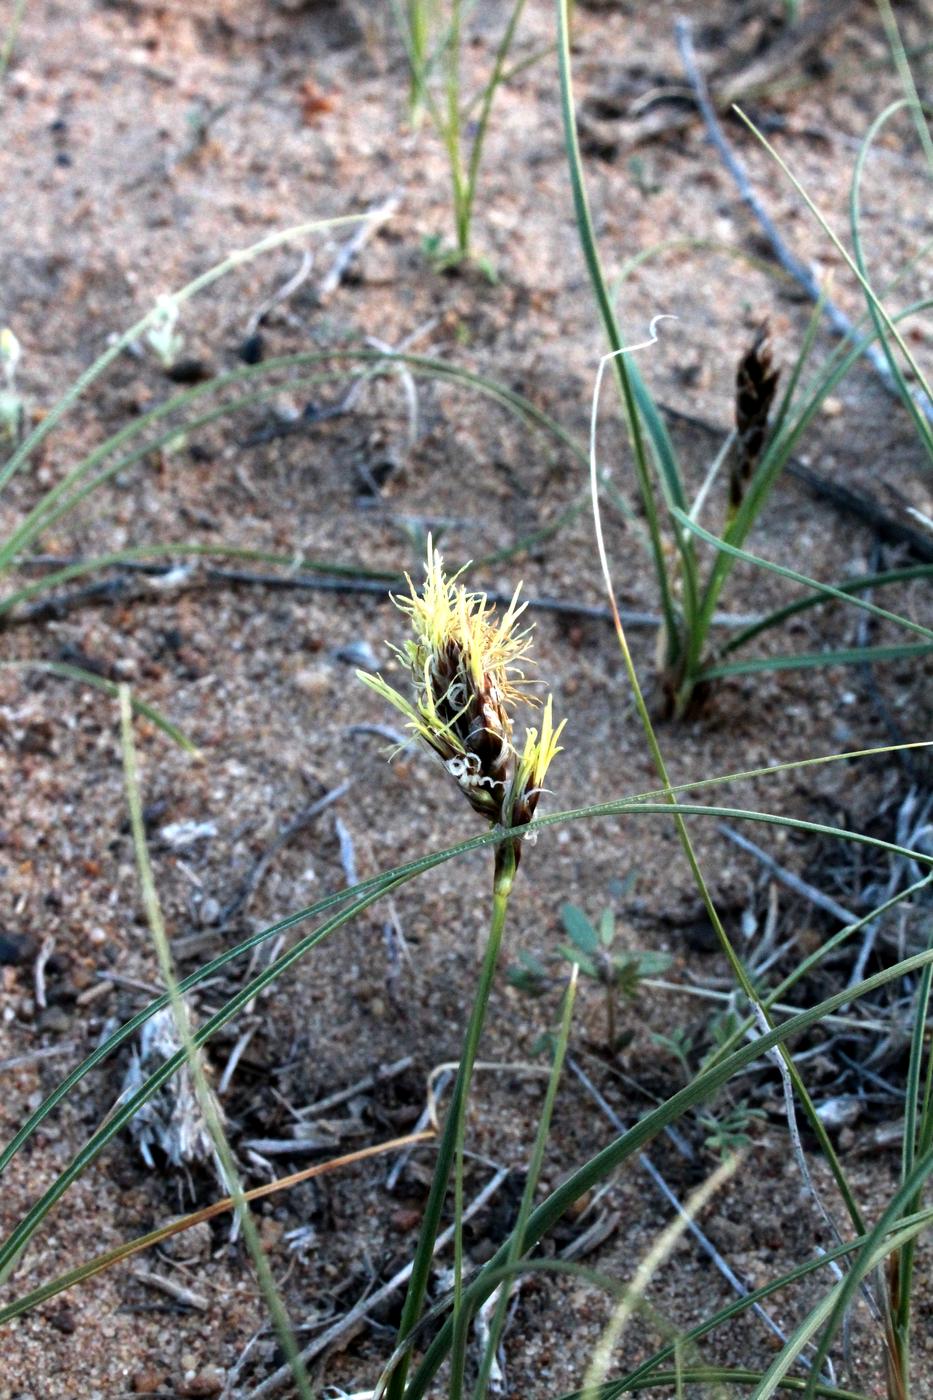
[489, 93]
[613, 335]
[677, 812]
[528, 1194]
[451, 1143]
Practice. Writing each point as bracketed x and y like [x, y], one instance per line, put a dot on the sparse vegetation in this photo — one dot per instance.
[761, 1019]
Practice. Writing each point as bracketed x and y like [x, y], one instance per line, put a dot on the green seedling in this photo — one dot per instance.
[434, 41]
[591, 949]
[727, 1129]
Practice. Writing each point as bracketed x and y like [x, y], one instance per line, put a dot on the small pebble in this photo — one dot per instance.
[312, 681]
[15, 948]
[64, 1321]
[210, 912]
[358, 653]
[209, 1381]
[148, 1380]
[54, 1019]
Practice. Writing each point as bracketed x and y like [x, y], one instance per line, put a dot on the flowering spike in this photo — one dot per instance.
[465, 667]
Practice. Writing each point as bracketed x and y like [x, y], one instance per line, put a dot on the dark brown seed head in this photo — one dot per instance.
[755, 386]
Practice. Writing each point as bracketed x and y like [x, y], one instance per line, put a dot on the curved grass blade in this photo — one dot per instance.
[853, 585]
[585, 1177]
[76, 673]
[19, 1237]
[377, 882]
[238, 258]
[48, 509]
[855, 225]
[827, 589]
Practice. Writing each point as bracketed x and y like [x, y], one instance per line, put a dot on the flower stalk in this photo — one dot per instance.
[466, 669]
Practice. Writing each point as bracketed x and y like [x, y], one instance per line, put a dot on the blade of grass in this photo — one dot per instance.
[532, 1178]
[9, 39]
[492, 86]
[735, 962]
[851, 656]
[74, 392]
[901, 1308]
[206, 1101]
[855, 227]
[902, 64]
[400, 874]
[41, 515]
[829, 1312]
[91, 678]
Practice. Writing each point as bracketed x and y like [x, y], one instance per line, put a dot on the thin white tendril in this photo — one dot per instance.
[594, 415]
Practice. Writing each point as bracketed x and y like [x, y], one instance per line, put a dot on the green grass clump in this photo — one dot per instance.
[433, 34]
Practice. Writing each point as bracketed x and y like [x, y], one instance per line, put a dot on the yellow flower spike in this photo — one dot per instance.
[536, 758]
[465, 668]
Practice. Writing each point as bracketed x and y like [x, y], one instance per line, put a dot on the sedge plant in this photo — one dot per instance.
[466, 670]
[768, 429]
[433, 34]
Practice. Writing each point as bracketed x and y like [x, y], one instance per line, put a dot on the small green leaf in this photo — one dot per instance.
[651, 964]
[607, 928]
[579, 929]
[586, 965]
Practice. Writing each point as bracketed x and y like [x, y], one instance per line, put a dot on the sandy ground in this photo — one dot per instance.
[141, 143]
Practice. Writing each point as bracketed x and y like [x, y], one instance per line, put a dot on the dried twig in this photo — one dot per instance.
[663, 109]
[284, 292]
[648, 1166]
[173, 1289]
[233, 1060]
[362, 1086]
[42, 957]
[347, 853]
[47, 1052]
[375, 217]
[788, 260]
[360, 1310]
